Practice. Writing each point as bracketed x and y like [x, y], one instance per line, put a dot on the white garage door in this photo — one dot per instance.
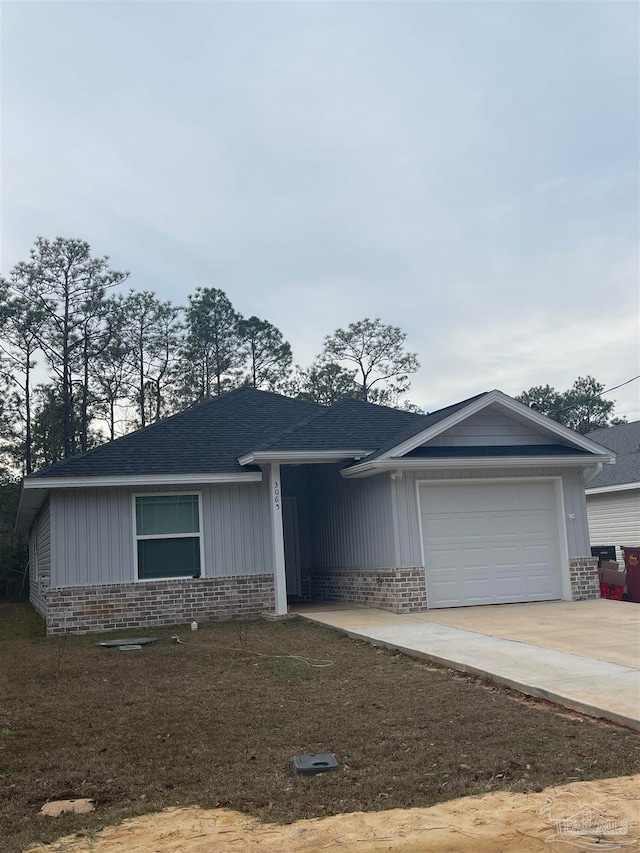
[490, 543]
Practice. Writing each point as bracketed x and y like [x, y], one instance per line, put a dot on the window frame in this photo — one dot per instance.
[137, 538]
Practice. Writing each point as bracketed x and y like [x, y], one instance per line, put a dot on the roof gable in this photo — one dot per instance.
[494, 398]
[494, 425]
[445, 419]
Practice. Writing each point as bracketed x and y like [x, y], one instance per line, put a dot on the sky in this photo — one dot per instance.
[467, 171]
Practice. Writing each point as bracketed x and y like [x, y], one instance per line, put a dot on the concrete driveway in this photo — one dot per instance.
[584, 655]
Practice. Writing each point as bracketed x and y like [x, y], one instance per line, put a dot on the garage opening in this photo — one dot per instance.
[490, 543]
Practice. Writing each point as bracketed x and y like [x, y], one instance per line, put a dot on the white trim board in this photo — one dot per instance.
[299, 457]
[367, 469]
[604, 490]
[139, 480]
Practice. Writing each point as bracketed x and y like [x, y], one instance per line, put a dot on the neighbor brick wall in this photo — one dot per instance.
[585, 583]
[398, 590]
[83, 609]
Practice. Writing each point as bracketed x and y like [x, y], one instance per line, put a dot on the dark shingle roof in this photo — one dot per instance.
[349, 424]
[206, 438]
[624, 440]
[209, 438]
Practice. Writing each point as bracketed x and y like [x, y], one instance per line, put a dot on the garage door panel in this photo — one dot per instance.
[490, 543]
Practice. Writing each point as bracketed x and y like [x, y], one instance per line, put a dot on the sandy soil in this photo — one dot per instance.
[494, 823]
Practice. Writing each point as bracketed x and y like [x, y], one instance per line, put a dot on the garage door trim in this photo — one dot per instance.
[563, 547]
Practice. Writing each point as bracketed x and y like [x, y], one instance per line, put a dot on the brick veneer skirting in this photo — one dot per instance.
[583, 572]
[398, 590]
[83, 609]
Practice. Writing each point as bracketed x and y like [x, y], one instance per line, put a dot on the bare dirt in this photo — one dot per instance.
[215, 723]
[503, 822]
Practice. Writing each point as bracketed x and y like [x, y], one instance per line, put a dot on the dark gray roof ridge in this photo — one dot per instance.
[346, 401]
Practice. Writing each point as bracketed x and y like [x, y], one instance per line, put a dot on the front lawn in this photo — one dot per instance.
[216, 721]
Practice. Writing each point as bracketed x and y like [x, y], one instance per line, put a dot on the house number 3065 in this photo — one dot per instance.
[276, 495]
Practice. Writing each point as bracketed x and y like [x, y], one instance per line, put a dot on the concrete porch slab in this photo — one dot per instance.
[581, 655]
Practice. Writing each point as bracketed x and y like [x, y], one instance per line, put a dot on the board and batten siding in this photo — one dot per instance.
[491, 427]
[406, 513]
[40, 559]
[94, 540]
[351, 522]
[614, 519]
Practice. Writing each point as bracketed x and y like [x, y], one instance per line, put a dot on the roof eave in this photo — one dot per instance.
[300, 457]
[97, 481]
[368, 469]
[619, 487]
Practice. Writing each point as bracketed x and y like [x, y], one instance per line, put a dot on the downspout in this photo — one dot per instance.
[592, 474]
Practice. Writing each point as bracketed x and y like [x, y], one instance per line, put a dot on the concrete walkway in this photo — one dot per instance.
[582, 655]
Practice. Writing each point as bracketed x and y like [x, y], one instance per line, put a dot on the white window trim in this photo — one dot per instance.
[200, 535]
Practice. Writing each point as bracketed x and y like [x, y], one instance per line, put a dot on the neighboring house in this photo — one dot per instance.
[237, 505]
[613, 495]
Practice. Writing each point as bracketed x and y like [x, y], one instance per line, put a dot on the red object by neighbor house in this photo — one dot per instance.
[612, 591]
[632, 565]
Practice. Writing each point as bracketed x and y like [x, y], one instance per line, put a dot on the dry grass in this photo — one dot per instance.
[213, 723]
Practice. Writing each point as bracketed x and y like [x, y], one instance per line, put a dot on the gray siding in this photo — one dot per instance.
[40, 559]
[352, 524]
[93, 542]
[491, 427]
[406, 513]
[614, 519]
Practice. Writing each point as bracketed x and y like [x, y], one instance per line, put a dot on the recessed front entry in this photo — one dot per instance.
[291, 545]
[490, 543]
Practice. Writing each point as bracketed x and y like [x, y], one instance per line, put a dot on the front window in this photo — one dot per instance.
[167, 536]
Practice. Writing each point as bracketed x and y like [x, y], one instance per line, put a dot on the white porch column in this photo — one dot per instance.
[279, 572]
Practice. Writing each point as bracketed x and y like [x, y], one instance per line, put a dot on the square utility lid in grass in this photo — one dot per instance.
[309, 765]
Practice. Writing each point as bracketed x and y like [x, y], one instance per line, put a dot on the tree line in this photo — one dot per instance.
[113, 362]
[581, 407]
[109, 362]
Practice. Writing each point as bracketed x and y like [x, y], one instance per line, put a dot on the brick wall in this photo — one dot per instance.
[398, 590]
[583, 572]
[83, 609]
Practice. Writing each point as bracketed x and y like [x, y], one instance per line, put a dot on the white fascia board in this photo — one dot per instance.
[299, 457]
[139, 480]
[367, 469]
[29, 506]
[489, 399]
[621, 487]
